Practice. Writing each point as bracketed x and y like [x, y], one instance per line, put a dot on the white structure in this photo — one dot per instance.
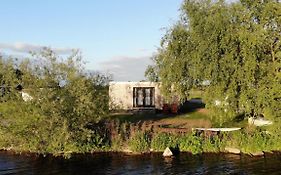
[167, 152]
[26, 97]
[258, 121]
[135, 95]
[218, 129]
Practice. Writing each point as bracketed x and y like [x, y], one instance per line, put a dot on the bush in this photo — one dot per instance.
[139, 142]
[117, 143]
[252, 141]
[213, 144]
[191, 143]
[162, 140]
[65, 101]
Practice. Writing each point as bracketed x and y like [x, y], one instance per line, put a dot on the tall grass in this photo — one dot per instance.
[139, 142]
[162, 140]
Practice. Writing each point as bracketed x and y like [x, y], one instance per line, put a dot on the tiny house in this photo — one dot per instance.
[135, 96]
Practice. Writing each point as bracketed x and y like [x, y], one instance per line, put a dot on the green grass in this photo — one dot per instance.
[193, 115]
[139, 142]
[133, 118]
[238, 124]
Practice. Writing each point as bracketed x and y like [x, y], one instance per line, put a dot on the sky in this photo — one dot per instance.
[115, 36]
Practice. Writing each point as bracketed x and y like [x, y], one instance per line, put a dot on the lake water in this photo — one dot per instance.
[117, 163]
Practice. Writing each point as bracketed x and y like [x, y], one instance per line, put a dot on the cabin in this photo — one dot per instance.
[132, 96]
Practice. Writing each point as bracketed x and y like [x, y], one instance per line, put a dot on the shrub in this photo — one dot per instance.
[65, 101]
[213, 144]
[117, 143]
[252, 141]
[162, 140]
[139, 142]
[191, 143]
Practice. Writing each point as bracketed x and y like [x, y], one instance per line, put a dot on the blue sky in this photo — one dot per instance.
[114, 36]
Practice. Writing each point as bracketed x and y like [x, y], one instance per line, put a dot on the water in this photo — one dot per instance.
[116, 163]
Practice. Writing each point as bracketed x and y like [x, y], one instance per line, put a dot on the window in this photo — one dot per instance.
[143, 96]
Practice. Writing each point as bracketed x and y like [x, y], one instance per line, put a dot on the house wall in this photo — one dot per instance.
[121, 94]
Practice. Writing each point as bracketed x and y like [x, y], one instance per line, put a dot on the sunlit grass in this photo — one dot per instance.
[130, 117]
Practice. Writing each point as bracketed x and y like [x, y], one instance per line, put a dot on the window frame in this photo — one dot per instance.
[143, 89]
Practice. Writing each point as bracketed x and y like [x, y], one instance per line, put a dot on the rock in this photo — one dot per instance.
[259, 153]
[127, 150]
[232, 150]
[167, 152]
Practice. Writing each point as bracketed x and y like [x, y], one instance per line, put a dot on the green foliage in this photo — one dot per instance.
[117, 143]
[236, 47]
[151, 74]
[188, 142]
[213, 144]
[252, 140]
[250, 143]
[23, 129]
[9, 79]
[66, 100]
[92, 141]
[139, 142]
[191, 143]
[160, 141]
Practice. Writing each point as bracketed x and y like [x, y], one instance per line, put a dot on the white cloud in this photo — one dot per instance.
[26, 48]
[231, 1]
[125, 68]
[143, 50]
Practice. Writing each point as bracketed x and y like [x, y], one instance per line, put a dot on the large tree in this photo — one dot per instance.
[64, 102]
[236, 47]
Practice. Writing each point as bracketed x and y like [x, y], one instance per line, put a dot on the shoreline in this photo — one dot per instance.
[131, 153]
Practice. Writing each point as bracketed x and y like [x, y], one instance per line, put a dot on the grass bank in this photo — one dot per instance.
[131, 133]
[143, 137]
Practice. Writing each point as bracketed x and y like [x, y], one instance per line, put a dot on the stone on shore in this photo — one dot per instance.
[232, 150]
[259, 153]
[127, 150]
[167, 152]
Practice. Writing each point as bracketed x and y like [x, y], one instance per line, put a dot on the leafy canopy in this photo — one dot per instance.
[236, 47]
[65, 101]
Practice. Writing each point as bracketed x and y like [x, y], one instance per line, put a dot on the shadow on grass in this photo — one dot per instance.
[191, 106]
[134, 118]
[186, 110]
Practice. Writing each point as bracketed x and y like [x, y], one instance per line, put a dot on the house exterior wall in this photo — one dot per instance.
[121, 94]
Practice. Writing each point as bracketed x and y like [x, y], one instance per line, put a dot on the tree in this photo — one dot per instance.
[236, 47]
[66, 101]
[151, 72]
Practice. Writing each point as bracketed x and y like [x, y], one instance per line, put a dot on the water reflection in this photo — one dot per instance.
[116, 163]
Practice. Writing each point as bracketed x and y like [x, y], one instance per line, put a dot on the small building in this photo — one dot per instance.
[135, 96]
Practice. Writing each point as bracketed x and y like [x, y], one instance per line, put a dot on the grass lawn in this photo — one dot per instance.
[130, 117]
[192, 114]
[198, 118]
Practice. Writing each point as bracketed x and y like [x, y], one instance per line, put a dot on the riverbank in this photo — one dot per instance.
[127, 152]
[138, 138]
[132, 134]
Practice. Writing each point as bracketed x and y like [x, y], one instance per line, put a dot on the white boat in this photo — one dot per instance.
[217, 129]
[258, 121]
